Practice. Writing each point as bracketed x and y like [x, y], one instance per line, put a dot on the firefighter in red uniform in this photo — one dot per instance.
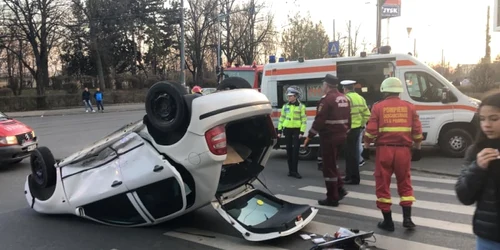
[332, 121]
[394, 125]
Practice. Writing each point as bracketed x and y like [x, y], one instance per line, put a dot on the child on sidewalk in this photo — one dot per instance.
[86, 100]
[98, 98]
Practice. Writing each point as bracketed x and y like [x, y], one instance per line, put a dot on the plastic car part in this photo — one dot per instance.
[42, 167]
[234, 83]
[216, 140]
[165, 106]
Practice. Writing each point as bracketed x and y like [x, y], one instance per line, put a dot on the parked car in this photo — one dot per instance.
[17, 140]
[188, 151]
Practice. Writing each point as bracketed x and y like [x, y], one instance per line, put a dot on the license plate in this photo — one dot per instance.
[31, 147]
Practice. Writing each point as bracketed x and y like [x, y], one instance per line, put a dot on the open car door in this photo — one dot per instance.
[256, 214]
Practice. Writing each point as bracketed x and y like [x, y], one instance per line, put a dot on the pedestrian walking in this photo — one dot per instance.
[479, 181]
[359, 117]
[86, 100]
[292, 125]
[332, 122]
[394, 125]
[99, 97]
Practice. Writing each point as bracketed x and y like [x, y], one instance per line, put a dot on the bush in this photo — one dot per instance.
[6, 92]
[58, 82]
[71, 88]
[27, 103]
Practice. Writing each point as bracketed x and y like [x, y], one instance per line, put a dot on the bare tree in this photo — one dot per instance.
[40, 22]
[255, 29]
[353, 45]
[201, 16]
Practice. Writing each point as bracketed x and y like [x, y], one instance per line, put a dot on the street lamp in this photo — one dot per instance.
[220, 18]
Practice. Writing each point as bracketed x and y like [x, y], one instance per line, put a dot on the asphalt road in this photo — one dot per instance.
[442, 220]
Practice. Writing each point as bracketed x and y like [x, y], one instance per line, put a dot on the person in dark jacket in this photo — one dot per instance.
[479, 181]
[86, 100]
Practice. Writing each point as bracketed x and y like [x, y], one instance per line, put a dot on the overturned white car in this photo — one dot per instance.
[187, 152]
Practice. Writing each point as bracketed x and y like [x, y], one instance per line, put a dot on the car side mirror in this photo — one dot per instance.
[445, 95]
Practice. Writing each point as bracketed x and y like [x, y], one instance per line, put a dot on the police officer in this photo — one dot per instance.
[359, 116]
[293, 124]
[395, 125]
[332, 121]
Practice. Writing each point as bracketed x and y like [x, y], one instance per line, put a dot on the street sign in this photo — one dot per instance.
[391, 8]
[333, 48]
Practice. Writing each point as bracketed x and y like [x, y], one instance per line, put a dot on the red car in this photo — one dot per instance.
[17, 140]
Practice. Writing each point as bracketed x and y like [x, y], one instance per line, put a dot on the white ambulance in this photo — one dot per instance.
[447, 114]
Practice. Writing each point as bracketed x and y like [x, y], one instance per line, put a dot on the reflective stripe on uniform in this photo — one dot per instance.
[369, 135]
[336, 121]
[416, 137]
[408, 198]
[332, 179]
[385, 200]
[313, 131]
[395, 129]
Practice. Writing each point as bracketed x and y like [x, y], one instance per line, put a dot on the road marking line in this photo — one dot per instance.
[437, 206]
[383, 241]
[216, 240]
[419, 178]
[415, 188]
[420, 221]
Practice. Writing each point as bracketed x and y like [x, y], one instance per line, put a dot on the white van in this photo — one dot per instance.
[447, 114]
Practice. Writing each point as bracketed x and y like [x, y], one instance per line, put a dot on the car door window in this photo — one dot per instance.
[162, 198]
[117, 210]
[423, 87]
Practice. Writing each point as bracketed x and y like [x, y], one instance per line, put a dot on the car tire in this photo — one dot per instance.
[165, 106]
[42, 167]
[454, 142]
[308, 154]
[234, 83]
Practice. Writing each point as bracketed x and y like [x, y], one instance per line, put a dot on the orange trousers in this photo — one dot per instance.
[393, 160]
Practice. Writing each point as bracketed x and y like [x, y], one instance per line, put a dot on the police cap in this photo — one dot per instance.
[331, 79]
[347, 82]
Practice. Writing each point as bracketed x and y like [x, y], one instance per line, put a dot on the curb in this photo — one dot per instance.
[434, 172]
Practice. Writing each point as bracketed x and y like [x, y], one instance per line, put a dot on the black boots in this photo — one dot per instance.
[387, 224]
[407, 222]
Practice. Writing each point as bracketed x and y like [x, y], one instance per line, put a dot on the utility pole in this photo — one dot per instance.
[487, 56]
[334, 30]
[349, 45]
[379, 22]
[183, 57]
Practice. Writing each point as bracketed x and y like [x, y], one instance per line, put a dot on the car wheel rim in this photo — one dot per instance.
[164, 107]
[303, 151]
[38, 170]
[457, 143]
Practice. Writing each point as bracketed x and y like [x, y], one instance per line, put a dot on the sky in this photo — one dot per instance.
[456, 28]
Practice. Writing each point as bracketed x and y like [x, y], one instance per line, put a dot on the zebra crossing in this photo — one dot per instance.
[442, 222]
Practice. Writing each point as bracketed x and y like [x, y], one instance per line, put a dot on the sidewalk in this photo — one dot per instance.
[75, 111]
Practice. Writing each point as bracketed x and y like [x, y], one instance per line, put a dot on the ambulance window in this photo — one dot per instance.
[423, 87]
[310, 90]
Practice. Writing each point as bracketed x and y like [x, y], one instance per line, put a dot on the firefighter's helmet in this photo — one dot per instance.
[391, 85]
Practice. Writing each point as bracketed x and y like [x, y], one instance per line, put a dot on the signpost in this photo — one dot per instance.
[333, 48]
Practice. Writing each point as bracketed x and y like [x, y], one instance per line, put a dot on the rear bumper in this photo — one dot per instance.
[15, 152]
